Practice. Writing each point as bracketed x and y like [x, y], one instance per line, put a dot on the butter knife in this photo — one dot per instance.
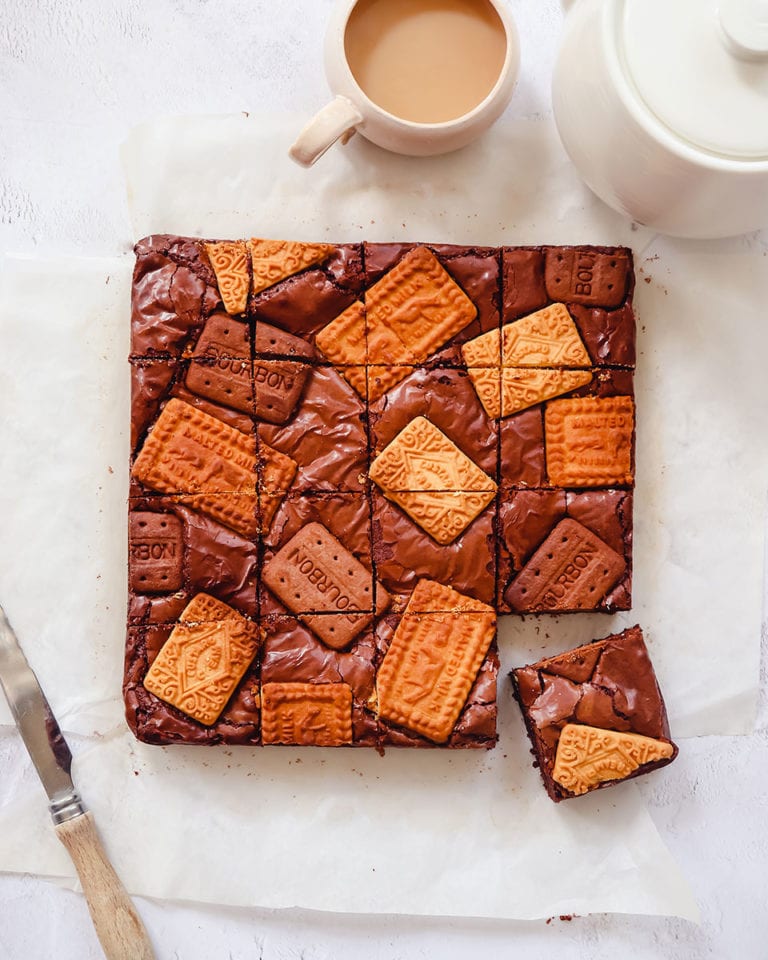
[118, 927]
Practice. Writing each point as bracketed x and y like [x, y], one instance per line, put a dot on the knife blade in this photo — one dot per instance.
[118, 927]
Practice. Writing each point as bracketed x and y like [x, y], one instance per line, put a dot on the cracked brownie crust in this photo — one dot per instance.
[320, 432]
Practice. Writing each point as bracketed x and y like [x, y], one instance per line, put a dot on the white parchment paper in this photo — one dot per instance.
[413, 832]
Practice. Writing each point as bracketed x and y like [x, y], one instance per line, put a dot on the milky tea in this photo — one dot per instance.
[426, 61]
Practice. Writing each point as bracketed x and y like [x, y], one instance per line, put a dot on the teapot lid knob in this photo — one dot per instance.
[745, 25]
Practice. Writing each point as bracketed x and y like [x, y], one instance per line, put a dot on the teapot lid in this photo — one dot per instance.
[701, 66]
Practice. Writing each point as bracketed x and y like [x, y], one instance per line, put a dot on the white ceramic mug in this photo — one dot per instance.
[352, 110]
[662, 106]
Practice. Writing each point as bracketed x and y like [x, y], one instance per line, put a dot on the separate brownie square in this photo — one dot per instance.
[589, 571]
[595, 715]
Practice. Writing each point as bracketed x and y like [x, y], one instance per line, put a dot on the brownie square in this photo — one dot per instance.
[607, 685]
[212, 558]
[326, 435]
[153, 720]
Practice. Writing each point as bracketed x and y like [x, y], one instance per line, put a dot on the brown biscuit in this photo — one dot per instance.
[223, 336]
[202, 461]
[229, 260]
[275, 260]
[220, 369]
[587, 276]
[203, 659]
[318, 579]
[432, 662]
[589, 441]
[155, 552]
[588, 756]
[278, 385]
[436, 484]
[572, 570]
[311, 714]
[274, 342]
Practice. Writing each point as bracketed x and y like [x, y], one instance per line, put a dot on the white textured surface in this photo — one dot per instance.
[74, 75]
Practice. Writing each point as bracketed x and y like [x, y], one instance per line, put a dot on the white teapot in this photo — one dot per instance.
[662, 106]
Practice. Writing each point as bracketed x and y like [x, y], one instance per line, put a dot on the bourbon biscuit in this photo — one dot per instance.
[229, 260]
[273, 342]
[318, 579]
[203, 659]
[311, 714]
[588, 276]
[588, 756]
[276, 260]
[278, 386]
[431, 664]
[572, 570]
[220, 369]
[155, 552]
[589, 441]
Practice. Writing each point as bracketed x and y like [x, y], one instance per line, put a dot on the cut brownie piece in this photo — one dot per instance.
[595, 715]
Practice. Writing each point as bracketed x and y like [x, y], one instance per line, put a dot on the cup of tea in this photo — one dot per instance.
[417, 77]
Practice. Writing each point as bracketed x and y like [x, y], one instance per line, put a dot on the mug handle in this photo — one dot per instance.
[337, 119]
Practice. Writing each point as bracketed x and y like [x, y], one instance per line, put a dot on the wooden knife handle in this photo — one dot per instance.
[118, 927]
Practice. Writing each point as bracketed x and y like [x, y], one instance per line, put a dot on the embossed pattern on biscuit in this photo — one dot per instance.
[310, 714]
[343, 342]
[408, 314]
[276, 260]
[588, 756]
[587, 276]
[527, 362]
[202, 462]
[431, 664]
[589, 441]
[546, 338]
[229, 260]
[155, 552]
[436, 484]
[573, 569]
[318, 579]
[203, 659]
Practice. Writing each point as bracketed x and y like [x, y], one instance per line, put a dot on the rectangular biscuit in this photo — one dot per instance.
[155, 552]
[318, 579]
[310, 714]
[431, 664]
[588, 276]
[203, 659]
[573, 569]
[429, 477]
[189, 451]
[589, 441]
